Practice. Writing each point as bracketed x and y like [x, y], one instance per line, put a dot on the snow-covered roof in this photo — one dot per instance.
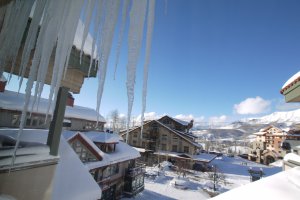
[103, 137]
[26, 156]
[70, 174]
[184, 123]
[13, 101]
[123, 151]
[295, 78]
[283, 185]
[204, 157]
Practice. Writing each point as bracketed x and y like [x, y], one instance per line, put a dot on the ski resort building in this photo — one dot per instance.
[76, 117]
[111, 162]
[168, 139]
[267, 146]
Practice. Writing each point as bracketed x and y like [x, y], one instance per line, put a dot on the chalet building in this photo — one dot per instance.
[267, 147]
[76, 117]
[111, 162]
[167, 139]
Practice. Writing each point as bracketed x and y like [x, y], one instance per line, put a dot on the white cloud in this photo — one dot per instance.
[148, 116]
[253, 106]
[190, 117]
[218, 119]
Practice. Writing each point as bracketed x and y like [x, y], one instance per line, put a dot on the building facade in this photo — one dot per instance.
[111, 162]
[165, 139]
[267, 146]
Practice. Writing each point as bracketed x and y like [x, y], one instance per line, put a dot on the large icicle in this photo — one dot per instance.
[11, 35]
[87, 21]
[112, 8]
[97, 21]
[121, 33]
[136, 27]
[65, 40]
[31, 38]
[150, 23]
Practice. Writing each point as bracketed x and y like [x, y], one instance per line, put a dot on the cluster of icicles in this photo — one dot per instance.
[53, 27]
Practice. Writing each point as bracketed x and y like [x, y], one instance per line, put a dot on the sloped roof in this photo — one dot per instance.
[123, 151]
[184, 123]
[103, 137]
[180, 135]
[13, 101]
[290, 82]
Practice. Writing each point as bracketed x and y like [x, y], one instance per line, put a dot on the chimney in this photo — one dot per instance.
[3, 82]
[70, 100]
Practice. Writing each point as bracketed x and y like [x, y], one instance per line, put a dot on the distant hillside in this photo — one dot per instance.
[288, 117]
[240, 130]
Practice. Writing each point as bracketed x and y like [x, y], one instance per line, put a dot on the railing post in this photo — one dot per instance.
[57, 121]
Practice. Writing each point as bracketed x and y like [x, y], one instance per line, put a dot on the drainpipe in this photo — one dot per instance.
[57, 121]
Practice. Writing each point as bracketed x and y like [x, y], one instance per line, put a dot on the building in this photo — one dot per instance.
[38, 175]
[167, 139]
[267, 146]
[291, 92]
[111, 162]
[76, 117]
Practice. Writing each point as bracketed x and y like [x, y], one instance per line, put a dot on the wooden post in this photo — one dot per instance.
[57, 121]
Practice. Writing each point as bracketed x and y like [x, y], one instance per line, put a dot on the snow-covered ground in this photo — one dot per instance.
[163, 183]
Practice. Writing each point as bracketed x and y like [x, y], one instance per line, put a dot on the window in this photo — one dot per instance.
[135, 135]
[186, 149]
[84, 154]
[134, 142]
[110, 170]
[164, 147]
[174, 148]
[164, 137]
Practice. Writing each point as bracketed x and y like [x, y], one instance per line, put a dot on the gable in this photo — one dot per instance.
[78, 142]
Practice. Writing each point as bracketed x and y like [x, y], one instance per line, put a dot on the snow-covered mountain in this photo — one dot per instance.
[245, 127]
[288, 117]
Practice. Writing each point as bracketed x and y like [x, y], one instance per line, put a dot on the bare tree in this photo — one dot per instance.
[114, 116]
[216, 177]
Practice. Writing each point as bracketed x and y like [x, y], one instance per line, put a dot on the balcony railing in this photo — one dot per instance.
[134, 171]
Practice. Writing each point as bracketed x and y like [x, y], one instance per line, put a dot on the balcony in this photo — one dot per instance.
[134, 171]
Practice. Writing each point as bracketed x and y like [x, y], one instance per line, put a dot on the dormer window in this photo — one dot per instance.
[83, 153]
[106, 147]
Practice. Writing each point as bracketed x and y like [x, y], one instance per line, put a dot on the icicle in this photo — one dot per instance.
[12, 31]
[87, 21]
[105, 45]
[136, 27]
[31, 78]
[65, 40]
[98, 19]
[121, 33]
[31, 38]
[150, 23]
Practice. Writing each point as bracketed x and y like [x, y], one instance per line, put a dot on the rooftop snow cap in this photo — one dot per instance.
[294, 79]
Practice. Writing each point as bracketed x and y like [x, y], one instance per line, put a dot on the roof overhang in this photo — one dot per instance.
[76, 71]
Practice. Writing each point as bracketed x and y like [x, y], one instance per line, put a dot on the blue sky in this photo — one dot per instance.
[208, 57]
